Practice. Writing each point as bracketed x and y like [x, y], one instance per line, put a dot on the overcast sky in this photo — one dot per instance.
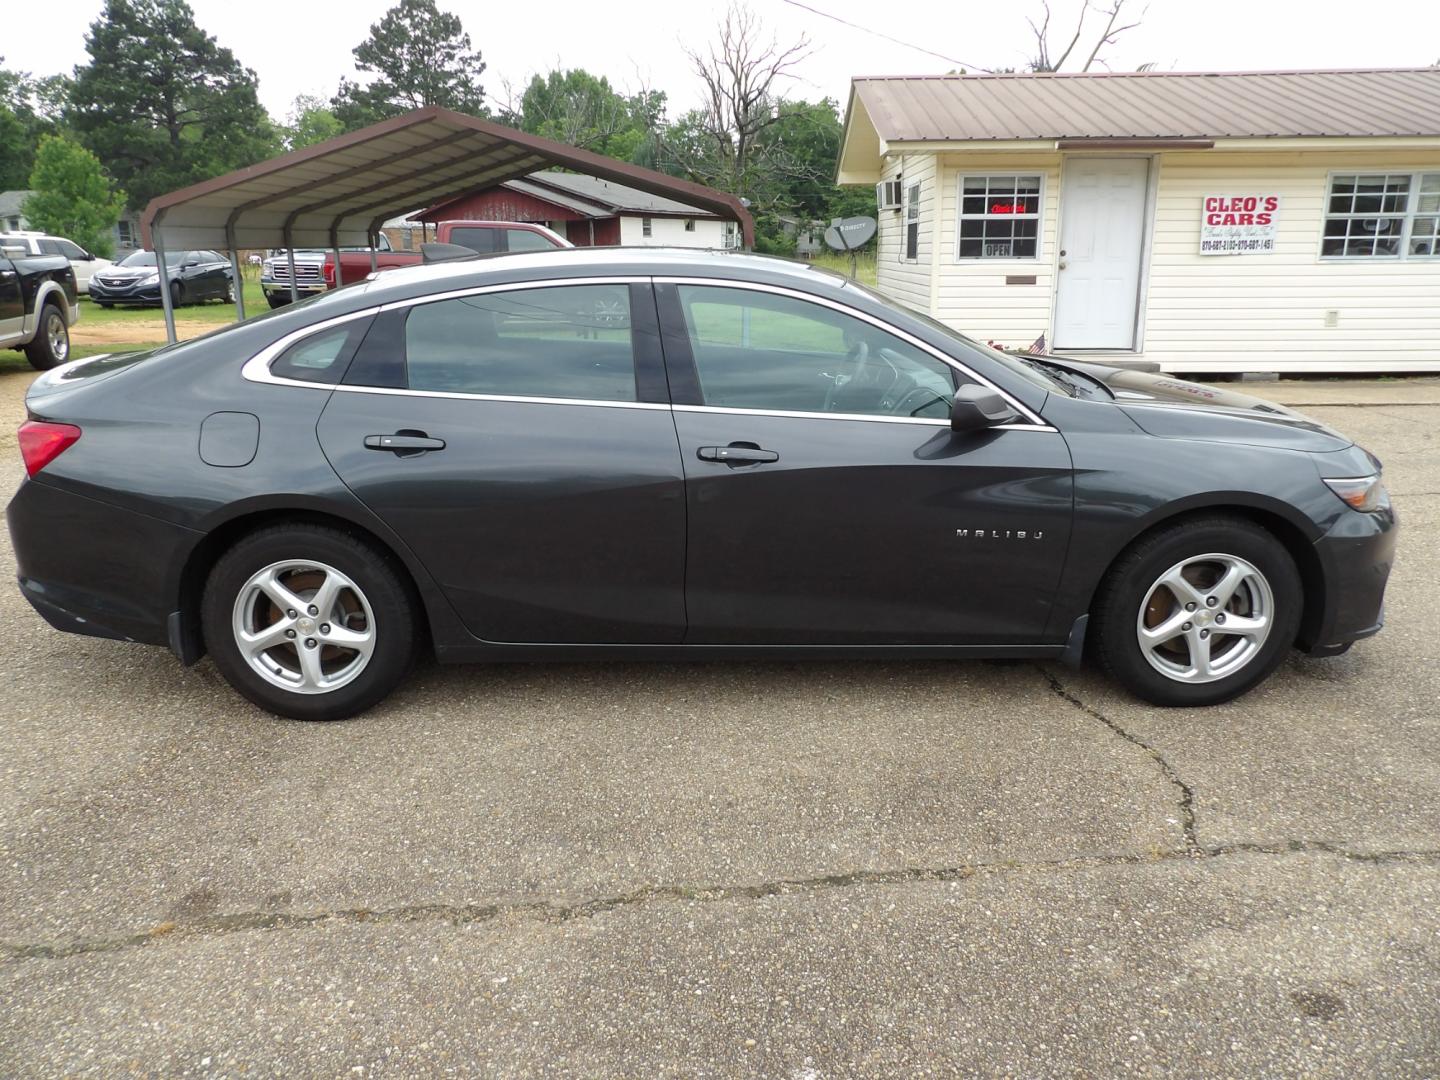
[303, 46]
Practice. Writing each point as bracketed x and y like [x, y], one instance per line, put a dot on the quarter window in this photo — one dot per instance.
[1382, 216]
[569, 341]
[756, 350]
[999, 217]
[322, 357]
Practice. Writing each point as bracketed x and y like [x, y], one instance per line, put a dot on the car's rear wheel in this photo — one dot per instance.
[177, 294]
[50, 346]
[309, 622]
[1198, 612]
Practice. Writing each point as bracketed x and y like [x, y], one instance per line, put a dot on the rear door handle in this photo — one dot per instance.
[737, 454]
[404, 442]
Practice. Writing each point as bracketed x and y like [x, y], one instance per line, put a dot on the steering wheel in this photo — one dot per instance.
[857, 356]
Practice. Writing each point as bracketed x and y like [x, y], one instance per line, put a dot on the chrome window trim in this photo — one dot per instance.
[872, 418]
[257, 368]
[889, 328]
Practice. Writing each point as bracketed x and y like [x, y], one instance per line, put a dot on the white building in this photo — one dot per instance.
[1284, 221]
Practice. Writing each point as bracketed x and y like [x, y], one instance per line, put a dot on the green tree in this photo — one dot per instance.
[161, 103]
[311, 121]
[584, 110]
[418, 55]
[28, 110]
[72, 195]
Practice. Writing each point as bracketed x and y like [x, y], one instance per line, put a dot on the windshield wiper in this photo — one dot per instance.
[1056, 375]
[1077, 381]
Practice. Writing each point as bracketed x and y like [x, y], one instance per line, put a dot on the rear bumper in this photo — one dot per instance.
[91, 568]
[1355, 557]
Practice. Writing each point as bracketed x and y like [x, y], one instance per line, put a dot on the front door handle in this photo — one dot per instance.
[404, 442]
[737, 454]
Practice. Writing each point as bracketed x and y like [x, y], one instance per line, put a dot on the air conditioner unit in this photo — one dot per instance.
[887, 194]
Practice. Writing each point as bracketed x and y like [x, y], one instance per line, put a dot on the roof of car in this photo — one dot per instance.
[603, 261]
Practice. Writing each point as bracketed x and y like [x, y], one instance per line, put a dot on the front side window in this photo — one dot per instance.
[569, 341]
[1382, 216]
[999, 217]
[757, 350]
[527, 240]
[70, 250]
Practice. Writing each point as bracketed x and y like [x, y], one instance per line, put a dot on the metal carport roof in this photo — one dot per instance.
[338, 192]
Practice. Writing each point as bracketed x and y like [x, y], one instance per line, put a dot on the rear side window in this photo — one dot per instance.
[481, 240]
[569, 341]
[322, 357]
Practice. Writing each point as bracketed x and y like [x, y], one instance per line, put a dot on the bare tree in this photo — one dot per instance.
[1044, 60]
[740, 71]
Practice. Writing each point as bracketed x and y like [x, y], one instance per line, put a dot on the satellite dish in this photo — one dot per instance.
[850, 233]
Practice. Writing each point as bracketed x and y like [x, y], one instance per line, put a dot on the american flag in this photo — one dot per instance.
[1038, 348]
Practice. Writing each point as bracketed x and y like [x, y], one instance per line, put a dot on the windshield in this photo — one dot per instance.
[139, 258]
[1010, 363]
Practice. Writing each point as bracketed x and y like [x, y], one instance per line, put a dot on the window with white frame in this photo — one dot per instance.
[1382, 216]
[999, 216]
[912, 222]
[646, 228]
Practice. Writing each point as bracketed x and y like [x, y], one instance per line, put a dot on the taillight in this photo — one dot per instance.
[41, 442]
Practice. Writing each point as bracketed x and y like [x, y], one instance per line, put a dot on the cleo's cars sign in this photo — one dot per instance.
[1238, 224]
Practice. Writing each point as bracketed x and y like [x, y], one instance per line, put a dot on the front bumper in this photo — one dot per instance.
[1355, 556]
[128, 293]
[92, 568]
[304, 288]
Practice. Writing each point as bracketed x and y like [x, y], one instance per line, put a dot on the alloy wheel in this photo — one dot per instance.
[1205, 618]
[56, 336]
[304, 626]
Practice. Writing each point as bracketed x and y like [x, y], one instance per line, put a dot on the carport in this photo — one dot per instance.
[337, 193]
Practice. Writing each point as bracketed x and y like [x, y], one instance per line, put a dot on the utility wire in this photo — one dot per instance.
[887, 37]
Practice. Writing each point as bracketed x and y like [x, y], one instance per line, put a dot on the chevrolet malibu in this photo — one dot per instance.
[621, 453]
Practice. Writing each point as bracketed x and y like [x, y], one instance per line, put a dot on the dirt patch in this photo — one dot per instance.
[140, 331]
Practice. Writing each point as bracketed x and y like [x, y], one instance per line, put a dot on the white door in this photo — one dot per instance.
[1102, 233]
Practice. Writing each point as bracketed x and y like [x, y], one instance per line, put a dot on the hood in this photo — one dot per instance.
[302, 258]
[1173, 408]
[126, 273]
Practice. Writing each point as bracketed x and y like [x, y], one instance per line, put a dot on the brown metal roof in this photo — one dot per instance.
[1150, 105]
[339, 192]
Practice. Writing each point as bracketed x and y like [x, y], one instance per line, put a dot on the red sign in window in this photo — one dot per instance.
[1007, 208]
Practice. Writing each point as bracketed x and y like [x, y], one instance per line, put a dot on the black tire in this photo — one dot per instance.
[395, 618]
[1118, 609]
[177, 294]
[229, 294]
[50, 347]
[276, 300]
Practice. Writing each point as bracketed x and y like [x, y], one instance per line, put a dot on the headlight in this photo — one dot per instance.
[150, 279]
[1364, 493]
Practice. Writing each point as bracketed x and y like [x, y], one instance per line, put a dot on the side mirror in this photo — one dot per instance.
[978, 407]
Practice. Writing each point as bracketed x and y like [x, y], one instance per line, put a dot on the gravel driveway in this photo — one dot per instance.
[818, 870]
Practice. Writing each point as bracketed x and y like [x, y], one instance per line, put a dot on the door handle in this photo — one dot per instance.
[404, 442]
[737, 454]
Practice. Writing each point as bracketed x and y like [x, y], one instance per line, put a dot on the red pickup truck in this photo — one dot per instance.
[315, 270]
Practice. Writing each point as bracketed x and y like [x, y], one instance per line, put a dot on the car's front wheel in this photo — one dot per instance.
[309, 622]
[1198, 612]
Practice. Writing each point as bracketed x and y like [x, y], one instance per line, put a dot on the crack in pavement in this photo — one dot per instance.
[1187, 796]
[547, 912]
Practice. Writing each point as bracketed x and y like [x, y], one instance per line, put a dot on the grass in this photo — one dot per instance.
[207, 311]
[865, 272]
